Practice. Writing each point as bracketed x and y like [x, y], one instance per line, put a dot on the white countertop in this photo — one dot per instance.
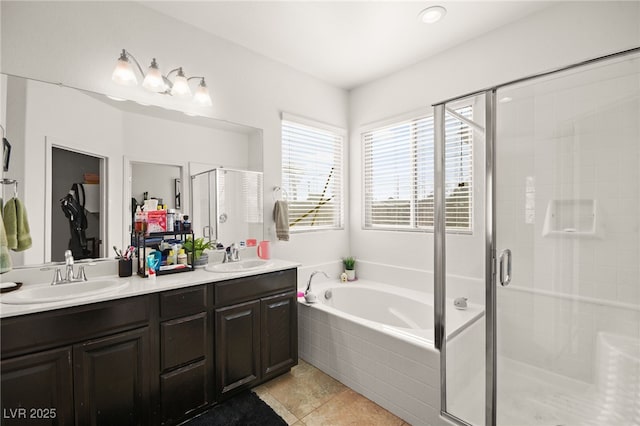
[138, 286]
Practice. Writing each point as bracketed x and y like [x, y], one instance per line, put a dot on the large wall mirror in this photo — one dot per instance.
[116, 150]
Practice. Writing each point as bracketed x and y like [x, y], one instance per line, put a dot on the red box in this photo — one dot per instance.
[157, 221]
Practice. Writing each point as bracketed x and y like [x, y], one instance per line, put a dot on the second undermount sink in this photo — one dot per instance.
[241, 266]
[55, 293]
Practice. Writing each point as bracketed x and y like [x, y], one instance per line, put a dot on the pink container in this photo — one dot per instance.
[264, 250]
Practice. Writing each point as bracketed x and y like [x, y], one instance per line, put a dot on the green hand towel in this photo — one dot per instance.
[17, 225]
[5, 257]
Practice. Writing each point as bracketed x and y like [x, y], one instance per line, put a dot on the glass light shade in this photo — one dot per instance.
[153, 80]
[202, 95]
[180, 87]
[123, 73]
[432, 14]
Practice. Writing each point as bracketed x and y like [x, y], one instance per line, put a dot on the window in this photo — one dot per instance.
[399, 174]
[312, 176]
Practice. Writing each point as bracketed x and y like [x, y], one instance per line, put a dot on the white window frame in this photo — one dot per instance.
[413, 226]
[341, 134]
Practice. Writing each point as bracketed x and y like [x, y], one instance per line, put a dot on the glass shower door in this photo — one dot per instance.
[463, 196]
[567, 157]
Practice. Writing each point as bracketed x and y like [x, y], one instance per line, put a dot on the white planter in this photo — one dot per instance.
[351, 274]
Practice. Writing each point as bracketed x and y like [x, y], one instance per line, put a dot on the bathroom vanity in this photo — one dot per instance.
[155, 358]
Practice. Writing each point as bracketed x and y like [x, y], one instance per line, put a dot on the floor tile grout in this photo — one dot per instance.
[316, 412]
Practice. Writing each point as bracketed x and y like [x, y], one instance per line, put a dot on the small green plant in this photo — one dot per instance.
[349, 263]
[198, 247]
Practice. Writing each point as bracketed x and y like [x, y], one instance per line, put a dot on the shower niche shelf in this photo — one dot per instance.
[571, 218]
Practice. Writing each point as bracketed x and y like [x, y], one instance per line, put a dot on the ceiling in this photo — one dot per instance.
[345, 43]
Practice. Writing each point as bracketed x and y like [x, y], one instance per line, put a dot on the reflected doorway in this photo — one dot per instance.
[79, 175]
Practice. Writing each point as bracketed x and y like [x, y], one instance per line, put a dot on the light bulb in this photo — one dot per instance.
[123, 73]
[180, 87]
[202, 95]
[153, 80]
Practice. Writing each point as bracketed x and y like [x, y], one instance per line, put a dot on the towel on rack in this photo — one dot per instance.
[16, 225]
[281, 217]
[5, 257]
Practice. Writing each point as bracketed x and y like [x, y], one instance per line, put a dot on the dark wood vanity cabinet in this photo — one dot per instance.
[37, 389]
[279, 333]
[237, 346]
[256, 330]
[86, 365]
[111, 379]
[154, 359]
[186, 356]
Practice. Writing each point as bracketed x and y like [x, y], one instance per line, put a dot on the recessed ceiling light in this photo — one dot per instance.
[432, 14]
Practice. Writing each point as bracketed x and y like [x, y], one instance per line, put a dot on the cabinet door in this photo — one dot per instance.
[111, 379]
[279, 322]
[37, 389]
[237, 346]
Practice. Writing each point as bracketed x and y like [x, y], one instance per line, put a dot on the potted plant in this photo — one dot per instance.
[350, 267]
[198, 247]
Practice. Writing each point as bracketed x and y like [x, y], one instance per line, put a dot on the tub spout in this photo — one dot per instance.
[309, 297]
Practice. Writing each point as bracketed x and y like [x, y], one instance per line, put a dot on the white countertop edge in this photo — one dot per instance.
[139, 286]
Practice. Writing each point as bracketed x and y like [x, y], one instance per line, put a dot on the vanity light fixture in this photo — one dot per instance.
[154, 81]
[432, 14]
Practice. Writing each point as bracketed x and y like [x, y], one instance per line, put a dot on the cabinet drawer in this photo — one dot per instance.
[248, 288]
[183, 340]
[183, 302]
[30, 333]
[183, 391]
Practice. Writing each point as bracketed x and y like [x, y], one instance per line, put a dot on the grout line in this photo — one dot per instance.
[329, 400]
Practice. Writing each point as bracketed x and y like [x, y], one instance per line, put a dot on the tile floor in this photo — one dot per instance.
[307, 396]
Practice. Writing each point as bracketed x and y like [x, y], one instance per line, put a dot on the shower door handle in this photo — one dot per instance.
[505, 279]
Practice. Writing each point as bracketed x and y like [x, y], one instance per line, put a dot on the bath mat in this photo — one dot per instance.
[243, 409]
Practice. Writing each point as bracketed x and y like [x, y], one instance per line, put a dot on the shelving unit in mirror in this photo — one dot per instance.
[165, 249]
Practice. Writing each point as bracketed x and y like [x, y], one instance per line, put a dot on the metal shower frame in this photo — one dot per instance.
[440, 110]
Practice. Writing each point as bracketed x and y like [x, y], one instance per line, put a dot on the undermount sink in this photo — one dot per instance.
[56, 293]
[241, 266]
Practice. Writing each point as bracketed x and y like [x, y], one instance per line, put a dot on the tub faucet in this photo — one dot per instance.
[308, 290]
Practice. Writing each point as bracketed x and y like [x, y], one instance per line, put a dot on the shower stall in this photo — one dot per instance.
[553, 210]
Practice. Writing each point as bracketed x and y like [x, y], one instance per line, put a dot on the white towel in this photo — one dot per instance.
[281, 217]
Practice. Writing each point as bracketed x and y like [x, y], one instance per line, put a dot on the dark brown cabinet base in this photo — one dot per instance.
[237, 346]
[153, 359]
[111, 380]
[36, 389]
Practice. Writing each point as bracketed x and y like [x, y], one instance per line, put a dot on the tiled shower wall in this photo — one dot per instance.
[569, 139]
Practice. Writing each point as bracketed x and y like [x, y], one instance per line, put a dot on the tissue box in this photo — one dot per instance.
[156, 221]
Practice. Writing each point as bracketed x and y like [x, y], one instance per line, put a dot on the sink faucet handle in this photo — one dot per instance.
[57, 277]
[80, 275]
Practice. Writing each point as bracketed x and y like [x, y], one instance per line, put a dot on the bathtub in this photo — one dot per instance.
[378, 340]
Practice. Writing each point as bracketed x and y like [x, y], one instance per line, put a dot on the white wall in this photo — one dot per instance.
[77, 43]
[560, 35]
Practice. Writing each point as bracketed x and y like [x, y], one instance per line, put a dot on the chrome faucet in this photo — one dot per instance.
[68, 272]
[68, 265]
[231, 254]
[308, 290]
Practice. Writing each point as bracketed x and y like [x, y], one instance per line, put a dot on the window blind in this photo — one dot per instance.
[399, 174]
[312, 176]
